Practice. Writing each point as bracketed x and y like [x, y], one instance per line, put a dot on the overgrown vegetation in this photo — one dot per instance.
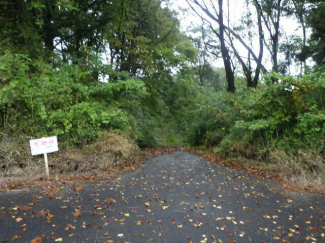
[109, 78]
[279, 126]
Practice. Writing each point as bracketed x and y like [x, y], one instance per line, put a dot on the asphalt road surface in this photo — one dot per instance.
[174, 198]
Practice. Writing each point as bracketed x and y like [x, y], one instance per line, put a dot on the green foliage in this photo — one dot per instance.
[289, 114]
[315, 19]
[51, 60]
[67, 101]
[50, 66]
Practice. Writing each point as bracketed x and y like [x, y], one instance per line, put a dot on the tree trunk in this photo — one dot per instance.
[225, 53]
[48, 35]
[260, 57]
[299, 8]
[275, 44]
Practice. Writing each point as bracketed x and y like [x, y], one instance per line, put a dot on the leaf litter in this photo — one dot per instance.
[223, 205]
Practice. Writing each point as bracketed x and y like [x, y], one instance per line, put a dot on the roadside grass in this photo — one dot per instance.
[303, 170]
[114, 153]
[106, 155]
[297, 170]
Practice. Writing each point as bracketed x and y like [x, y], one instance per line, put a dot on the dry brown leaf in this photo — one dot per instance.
[19, 219]
[78, 189]
[110, 200]
[140, 222]
[76, 213]
[53, 191]
[38, 239]
[15, 237]
[25, 208]
[71, 226]
[197, 224]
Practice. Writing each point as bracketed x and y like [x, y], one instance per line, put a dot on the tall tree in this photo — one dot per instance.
[208, 49]
[316, 21]
[144, 38]
[217, 16]
[17, 28]
[251, 80]
[300, 10]
[271, 12]
[60, 25]
[226, 34]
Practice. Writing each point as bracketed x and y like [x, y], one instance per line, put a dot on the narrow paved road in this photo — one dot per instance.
[175, 198]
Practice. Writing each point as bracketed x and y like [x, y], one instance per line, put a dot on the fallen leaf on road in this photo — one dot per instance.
[78, 189]
[140, 223]
[71, 226]
[263, 229]
[197, 224]
[47, 214]
[16, 237]
[25, 208]
[110, 200]
[53, 191]
[19, 219]
[76, 213]
[223, 227]
[38, 239]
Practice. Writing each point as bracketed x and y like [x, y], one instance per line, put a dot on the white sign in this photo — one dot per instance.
[44, 145]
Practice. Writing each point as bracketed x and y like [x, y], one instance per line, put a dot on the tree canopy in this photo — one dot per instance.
[74, 69]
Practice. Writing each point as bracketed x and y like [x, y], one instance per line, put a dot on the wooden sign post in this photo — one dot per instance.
[44, 146]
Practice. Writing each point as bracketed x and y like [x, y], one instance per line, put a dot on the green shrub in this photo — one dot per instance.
[289, 114]
[39, 100]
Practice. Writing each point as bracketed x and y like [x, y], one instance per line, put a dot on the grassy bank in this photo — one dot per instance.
[109, 153]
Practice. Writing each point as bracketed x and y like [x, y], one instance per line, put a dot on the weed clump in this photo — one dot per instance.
[107, 153]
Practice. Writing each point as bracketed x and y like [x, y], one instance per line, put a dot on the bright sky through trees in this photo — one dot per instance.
[236, 10]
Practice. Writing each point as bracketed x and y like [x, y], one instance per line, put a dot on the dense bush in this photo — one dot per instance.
[66, 101]
[289, 114]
